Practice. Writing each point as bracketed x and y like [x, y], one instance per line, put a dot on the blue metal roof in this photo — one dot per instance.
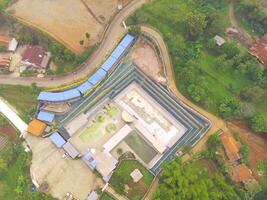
[127, 40]
[109, 63]
[118, 51]
[57, 139]
[83, 88]
[59, 96]
[97, 76]
[46, 116]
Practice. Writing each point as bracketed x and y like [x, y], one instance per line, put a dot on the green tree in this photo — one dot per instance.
[81, 42]
[190, 181]
[259, 123]
[87, 35]
[228, 107]
[195, 24]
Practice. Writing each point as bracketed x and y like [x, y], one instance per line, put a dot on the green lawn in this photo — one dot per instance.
[105, 196]
[122, 177]
[23, 98]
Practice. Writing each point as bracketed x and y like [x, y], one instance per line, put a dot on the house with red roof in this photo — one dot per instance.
[35, 57]
[259, 50]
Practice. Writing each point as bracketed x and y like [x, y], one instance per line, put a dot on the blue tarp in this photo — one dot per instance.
[46, 116]
[109, 63]
[97, 76]
[59, 96]
[127, 40]
[86, 86]
[118, 51]
[57, 139]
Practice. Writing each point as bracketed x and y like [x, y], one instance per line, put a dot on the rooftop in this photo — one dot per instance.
[259, 49]
[231, 147]
[35, 55]
[241, 173]
[36, 127]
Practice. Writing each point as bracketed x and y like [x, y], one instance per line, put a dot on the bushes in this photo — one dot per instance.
[259, 123]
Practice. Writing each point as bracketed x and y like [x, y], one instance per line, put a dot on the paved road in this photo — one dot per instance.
[217, 123]
[112, 36]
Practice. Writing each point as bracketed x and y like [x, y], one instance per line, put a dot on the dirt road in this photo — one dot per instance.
[112, 36]
[217, 122]
[244, 37]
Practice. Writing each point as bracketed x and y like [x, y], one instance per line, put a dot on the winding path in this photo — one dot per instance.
[113, 34]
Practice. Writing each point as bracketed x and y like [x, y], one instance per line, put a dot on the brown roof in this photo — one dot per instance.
[34, 55]
[36, 127]
[241, 173]
[231, 146]
[4, 41]
[259, 49]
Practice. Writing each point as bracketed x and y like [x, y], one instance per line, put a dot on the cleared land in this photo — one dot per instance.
[66, 20]
[144, 56]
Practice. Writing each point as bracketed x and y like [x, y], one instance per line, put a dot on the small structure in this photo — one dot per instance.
[36, 127]
[10, 43]
[127, 117]
[231, 147]
[71, 150]
[219, 40]
[136, 175]
[232, 31]
[93, 196]
[35, 57]
[46, 116]
[57, 139]
[242, 174]
[259, 50]
[5, 63]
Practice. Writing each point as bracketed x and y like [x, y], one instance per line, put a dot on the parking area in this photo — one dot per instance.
[63, 175]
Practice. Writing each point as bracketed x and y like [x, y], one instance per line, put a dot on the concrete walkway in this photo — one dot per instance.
[13, 117]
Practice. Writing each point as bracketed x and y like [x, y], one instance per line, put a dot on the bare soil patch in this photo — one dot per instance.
[210, 165]
[8, 131]
[65, 20]
[144, 56]
[256, 142]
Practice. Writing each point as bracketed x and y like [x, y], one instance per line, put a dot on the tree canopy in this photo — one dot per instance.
[191, 181]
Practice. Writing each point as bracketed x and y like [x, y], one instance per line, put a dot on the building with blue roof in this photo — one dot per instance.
[57, 139]
[109, 63]
[97, 76]
[85, 87]
[118, 52]
[126, 41]
[67, 95]
[46, 116]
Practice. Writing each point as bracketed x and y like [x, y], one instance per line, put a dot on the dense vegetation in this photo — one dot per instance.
[224, 80]
[4, 4]
[23, 98]
[184, 181]
[15, 181]
[253, 15]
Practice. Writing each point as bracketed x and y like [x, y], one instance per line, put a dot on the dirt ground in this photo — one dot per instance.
[63, 175]
[144, 56]
[257, 143]
[9, 131]
[65, 20]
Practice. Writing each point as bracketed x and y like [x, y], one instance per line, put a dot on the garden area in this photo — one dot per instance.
[106, 196]
[225, 80]
[15, 181]
[123, 184]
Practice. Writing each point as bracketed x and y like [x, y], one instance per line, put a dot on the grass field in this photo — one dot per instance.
[23, 98]
[140, 147]
[122, 177]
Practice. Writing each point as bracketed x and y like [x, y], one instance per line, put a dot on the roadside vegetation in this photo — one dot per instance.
[225, 80]
[23, 98]
[121, 178]
[252, 16]
[106, 196]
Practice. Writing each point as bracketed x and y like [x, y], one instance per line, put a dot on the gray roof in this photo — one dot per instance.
[71, 150]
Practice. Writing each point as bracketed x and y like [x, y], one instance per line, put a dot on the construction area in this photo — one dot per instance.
[69, 20]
